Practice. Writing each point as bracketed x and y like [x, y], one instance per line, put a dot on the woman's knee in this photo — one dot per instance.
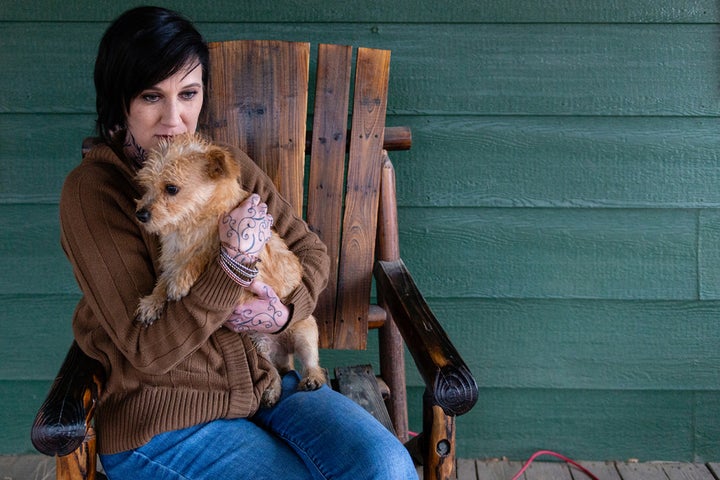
[390, 460]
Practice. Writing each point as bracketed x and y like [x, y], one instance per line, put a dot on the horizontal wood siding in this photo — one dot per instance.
[598, 423]
[399, 11]
[560, 206]
[492, 69]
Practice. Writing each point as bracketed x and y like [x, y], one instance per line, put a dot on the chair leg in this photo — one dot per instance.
[392, 370]
[439, 437]
[80, 464]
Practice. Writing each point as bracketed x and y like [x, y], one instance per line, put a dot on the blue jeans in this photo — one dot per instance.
[307, 435]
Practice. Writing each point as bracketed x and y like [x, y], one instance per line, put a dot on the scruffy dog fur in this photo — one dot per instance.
[188, 184]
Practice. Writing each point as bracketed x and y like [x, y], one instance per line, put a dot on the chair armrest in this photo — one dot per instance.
[446, 375]
[62, 421]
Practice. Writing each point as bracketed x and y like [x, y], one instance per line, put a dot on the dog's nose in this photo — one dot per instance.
[143, 215]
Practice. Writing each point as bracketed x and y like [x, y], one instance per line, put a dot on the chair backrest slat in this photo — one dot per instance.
[327, 168]
[257, 100]
[362, 196]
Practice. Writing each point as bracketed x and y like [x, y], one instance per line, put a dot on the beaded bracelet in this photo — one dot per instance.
[233, 276]
[241, 274]
[249, 270]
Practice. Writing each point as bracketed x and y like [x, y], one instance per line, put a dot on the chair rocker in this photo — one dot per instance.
[258, 100]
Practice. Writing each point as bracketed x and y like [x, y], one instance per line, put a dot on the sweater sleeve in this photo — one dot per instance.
[114, 262]
[295, 232]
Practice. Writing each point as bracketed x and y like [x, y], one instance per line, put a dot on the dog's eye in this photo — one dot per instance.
[171, 189]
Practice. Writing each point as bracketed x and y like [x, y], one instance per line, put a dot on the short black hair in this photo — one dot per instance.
[141, 48]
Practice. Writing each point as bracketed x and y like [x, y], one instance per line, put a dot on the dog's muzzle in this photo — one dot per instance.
[143, 215]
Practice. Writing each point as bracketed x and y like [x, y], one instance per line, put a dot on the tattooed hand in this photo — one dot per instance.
[245, 230]
[264, 314]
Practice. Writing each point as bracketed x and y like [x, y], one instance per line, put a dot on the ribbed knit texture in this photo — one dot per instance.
[186, 368]
[130, 419]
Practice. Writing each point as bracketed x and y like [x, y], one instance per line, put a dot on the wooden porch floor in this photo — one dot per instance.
[39, 467]
[545, 470]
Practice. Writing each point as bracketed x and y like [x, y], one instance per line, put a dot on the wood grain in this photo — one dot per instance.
[262, 109]
[402, 11]
[566, 162]
[498, 470]
[439, 440]
[326, 185]
[641, 471]
[553, 253]
[609, 345]
[547, 471]
[477, 69]
[362, 197]
[569, 162]
[685, 471]
[602, 470]
[620, 423]
[567, 151]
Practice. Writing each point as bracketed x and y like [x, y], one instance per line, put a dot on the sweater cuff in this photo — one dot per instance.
[215, 289]
[302, 304]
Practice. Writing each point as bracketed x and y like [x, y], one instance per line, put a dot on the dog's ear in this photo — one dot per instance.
[218, 163]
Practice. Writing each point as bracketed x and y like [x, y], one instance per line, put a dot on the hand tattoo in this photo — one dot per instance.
[249, 318]
[251, 227]
[133, 150]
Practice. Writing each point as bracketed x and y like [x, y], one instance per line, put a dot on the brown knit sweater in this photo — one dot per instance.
[186, 368]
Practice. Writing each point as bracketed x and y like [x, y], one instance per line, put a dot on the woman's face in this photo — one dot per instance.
[171, 107]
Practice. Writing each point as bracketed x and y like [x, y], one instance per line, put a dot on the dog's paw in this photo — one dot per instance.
[312, 380]
[148, 311]
[271, 395]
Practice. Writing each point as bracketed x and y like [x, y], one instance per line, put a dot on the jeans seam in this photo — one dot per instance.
[160, 465]
[296, 446]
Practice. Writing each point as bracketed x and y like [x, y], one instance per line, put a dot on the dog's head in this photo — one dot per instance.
[182, 179]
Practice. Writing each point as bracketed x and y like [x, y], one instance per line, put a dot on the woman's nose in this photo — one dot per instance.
[172, 114]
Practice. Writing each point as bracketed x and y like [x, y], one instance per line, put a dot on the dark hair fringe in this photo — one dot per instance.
[141, 48]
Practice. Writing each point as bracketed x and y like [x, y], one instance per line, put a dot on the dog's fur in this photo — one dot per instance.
[188, 184]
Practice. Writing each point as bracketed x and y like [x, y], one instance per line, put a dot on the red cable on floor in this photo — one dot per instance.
[561, 457]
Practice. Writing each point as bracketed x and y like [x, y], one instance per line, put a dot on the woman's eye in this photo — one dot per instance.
[150, 97]
[188, 95]
[171, 189]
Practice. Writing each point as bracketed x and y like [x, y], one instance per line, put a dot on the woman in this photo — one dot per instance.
[182, 396]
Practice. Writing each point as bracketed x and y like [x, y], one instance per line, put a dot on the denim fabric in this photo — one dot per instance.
[307, 435]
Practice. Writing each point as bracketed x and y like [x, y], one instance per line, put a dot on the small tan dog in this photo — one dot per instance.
[188, 184]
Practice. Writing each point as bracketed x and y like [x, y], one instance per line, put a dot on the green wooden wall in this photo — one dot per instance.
[560, 205]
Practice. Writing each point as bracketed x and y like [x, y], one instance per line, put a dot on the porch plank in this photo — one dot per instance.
[602, 470]
[687, 471]
[22, 467]
[466, 469]
[16, 467]
[548, 471]
[497, 469]
[641, 471]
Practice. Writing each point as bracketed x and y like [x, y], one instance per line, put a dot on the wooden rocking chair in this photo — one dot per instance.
[257, 99]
